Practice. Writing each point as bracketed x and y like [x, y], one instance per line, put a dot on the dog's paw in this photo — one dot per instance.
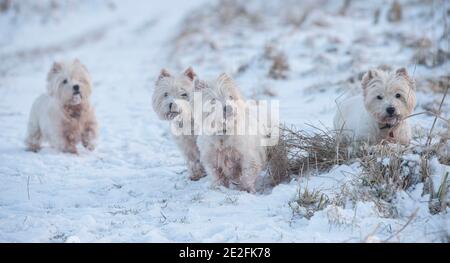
[250, 189]
[89, 146]
[197, 176]
[71, 149]
[33, 148]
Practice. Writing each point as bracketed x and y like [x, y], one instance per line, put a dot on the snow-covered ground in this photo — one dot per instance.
[134, 186]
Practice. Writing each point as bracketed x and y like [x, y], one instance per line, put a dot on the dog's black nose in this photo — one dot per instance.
[390, 110]
[170, 106]
[76, 88]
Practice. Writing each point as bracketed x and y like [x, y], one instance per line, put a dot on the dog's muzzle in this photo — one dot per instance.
[172, 114]
[76, 98]
[392, 120]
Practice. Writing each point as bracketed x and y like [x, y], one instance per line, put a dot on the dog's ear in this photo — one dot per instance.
[371, 74]
[163, 74]
[226, 81]
[56, 67]
[77, 62]
[189, 72]
[200, 85]
[402, 72]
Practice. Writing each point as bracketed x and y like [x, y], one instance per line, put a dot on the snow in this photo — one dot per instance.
[134, 187]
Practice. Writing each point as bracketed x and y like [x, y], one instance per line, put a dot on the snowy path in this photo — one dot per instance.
[134, 186]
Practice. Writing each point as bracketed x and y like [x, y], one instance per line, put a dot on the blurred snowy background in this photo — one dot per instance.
[306, 54]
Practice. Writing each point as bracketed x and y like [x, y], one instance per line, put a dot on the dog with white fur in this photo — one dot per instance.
[380, 113]
[63, 116]
[171, 102]
[231, 155]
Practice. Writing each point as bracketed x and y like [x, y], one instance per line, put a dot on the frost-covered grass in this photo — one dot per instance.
[134, 186]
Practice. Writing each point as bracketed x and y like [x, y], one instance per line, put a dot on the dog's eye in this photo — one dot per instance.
[379, 97]
[184, 95]
[398, 95]
[65, 81]
[166, 94]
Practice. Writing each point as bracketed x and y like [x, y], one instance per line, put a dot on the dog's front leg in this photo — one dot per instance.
[70, 143]
[70, 135]
[217, 174]
[89, 134]
[214, 168]
[196, 170]
[249, 175]
[189, 148]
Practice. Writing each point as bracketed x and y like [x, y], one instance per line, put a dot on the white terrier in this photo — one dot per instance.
[379, 115]
[63, 115]
[170, 92]
[229, 157]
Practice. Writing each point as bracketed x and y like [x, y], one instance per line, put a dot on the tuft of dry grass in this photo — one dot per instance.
[278, 168]
[395, 12]
[280, 67]
[317, 150]
[232, 10]
[279, 63]
[431, 58]
[386, 171]
[437, 84]
[307, 202]
[443, 147]
[438, 200]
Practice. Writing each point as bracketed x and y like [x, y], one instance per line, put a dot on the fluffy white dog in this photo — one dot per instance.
[379, 115]
[228, 156]
[63, 115]
[169, 92]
